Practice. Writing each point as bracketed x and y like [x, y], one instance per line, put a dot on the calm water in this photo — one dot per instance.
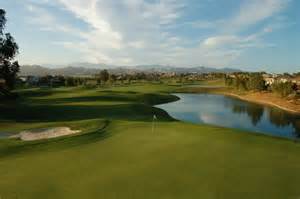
[233, 113]
[5, 135]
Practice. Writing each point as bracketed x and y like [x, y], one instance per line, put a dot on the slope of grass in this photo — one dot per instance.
[119, 156]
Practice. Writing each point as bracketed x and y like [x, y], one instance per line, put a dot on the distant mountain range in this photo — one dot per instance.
[80, 69]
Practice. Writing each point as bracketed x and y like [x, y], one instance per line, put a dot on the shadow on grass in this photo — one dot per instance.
[66, 113]
[15, 147]
[57, 110]
[112, 98]
[118, 92]
[53, 110]
[39, 92]
[147, 98]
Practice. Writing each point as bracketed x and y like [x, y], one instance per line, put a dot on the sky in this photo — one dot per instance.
[246, 34]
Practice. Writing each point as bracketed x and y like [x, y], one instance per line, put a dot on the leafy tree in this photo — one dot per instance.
[113, 78]
[141, 76]
[70, 81]
[104, 76]
[256, 82]
[283, 88]
[45, 80]
[98, 79]
[80, 81]
[229, 81]
[241, 82]
[129, 78]
[8, 51]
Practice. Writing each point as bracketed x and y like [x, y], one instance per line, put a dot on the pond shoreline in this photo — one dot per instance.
[261, 101]
[255, 97]
[231, 111]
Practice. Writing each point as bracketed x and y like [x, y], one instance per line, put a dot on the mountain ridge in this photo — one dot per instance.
[81, 69]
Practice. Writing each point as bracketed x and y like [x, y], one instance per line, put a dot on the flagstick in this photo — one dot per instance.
[153, 123]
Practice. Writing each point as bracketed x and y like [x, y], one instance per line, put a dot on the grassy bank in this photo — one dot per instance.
[118, 155]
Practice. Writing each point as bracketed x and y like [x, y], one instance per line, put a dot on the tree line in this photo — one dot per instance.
[256, 82]
[8, 51]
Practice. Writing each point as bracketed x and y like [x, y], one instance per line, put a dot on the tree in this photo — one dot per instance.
[113, 78]
[70, 81]
[104, 76]
[256, 82]
[45, 80]
[98, 79]
[229, 81]
[241, 82]
[283, 88]
[8, 51]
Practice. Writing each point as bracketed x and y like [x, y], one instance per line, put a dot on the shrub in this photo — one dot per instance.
[283, 88]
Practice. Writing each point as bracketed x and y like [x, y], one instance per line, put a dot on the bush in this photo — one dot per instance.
[283, 88]
[256, 82]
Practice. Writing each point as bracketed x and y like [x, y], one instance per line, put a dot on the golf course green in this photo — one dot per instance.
[118, 154]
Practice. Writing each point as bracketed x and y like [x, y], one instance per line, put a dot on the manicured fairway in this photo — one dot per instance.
[118, 155]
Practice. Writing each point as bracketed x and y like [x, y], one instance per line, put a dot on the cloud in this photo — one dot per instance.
[143, 31]
[137, 44]
[235, 41]
[203, 24]
[88, 53]
[252, 12]
[137, 25]
[231, 41]
[216, 41]
[47, 21]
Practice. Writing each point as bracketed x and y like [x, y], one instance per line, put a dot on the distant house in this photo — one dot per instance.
[32, 80]
[269, 81]
[266, 75]
[168, 74]
[232, 76]
[23, 78]
[296, 81]
[283, 80]
[57, 81]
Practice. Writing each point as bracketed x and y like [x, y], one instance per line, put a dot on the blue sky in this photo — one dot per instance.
[245, 34]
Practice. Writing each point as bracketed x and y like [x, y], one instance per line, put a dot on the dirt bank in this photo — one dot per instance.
[291, 106]
[266, 98]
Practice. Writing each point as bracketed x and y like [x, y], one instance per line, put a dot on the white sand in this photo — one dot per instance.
[45, 133]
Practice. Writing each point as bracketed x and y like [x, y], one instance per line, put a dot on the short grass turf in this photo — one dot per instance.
[119, 156]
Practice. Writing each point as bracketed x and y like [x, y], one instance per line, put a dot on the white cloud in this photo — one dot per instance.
[47, 21]
[216, 41]
[203, 24]
[137, 31]
[136, 44]
[119, 29]
[255, 11]
[235, 41]
[229, 43]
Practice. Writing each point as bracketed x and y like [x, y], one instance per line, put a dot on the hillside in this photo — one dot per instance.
[91, 69]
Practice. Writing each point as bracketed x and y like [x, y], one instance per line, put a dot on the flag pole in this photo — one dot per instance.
[153, 123]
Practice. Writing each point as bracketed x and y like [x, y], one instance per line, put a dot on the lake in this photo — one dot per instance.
[5, 135]
[230, 112]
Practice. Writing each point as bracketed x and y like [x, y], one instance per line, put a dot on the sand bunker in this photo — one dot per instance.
[45, 133]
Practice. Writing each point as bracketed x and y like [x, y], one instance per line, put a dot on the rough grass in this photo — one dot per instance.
[118, 155]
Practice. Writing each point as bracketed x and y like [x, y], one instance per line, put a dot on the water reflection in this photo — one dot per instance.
[281, 119]
[5, 135]
[254, 111]
[234, 113]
